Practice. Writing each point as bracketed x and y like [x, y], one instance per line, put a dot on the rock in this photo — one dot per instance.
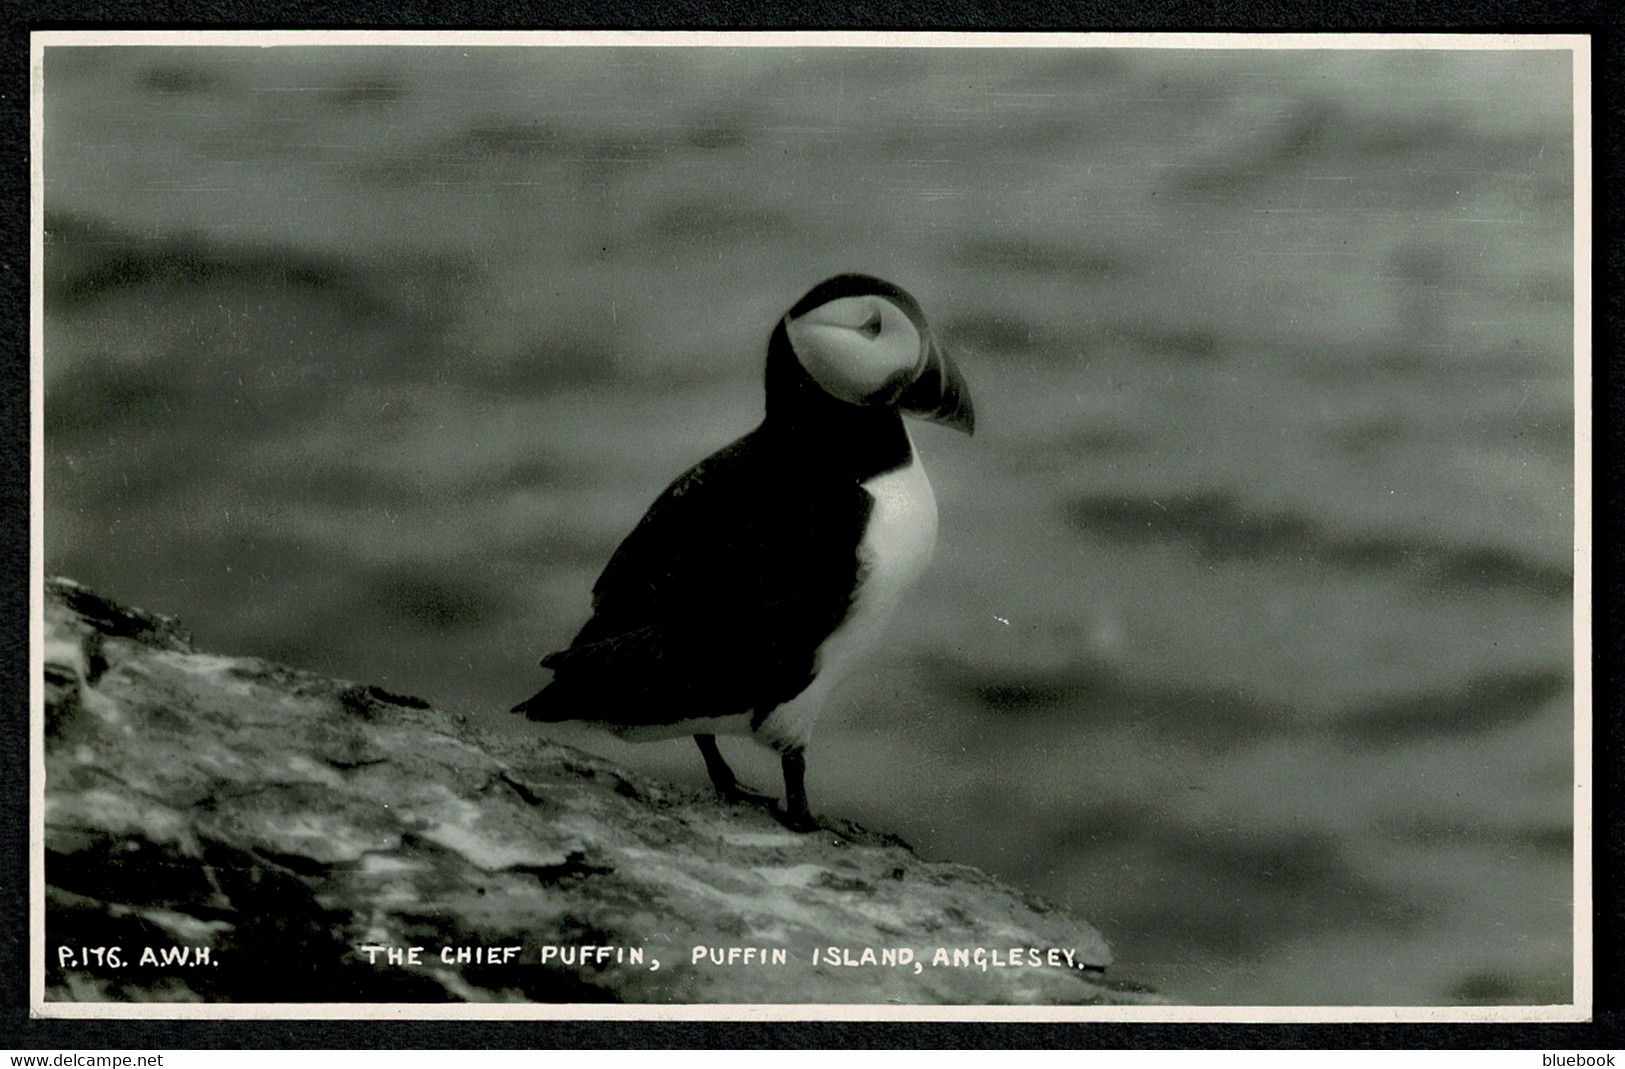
[225, 829]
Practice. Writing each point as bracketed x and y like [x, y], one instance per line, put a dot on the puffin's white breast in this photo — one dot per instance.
[896, 548]
[898, 542]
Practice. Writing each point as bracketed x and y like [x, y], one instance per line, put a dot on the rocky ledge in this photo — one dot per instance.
[225, 829]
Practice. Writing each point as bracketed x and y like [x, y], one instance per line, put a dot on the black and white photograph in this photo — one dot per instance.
[1085, 527]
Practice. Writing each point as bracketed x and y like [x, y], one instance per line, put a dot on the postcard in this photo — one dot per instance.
[834, 526]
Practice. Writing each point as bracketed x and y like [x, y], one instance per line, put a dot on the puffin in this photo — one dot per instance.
[753, 585]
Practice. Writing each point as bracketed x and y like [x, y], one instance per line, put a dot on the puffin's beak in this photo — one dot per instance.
[939, 393]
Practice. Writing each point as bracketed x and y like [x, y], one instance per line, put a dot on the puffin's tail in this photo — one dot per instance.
[560, 700]
[545, 706]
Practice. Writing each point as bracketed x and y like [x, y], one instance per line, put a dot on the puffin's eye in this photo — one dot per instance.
[871, 326]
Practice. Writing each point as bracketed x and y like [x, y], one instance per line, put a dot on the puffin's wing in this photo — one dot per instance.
[717, 601]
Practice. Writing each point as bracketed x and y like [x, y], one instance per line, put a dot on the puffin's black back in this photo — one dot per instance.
[717, 601]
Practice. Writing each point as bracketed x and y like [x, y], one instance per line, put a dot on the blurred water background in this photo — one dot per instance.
[1249, 633]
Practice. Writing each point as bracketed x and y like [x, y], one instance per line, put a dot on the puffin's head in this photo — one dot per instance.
[866, 342]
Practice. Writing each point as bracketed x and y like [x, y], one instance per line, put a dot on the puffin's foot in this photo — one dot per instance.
[802, 821]
[739, 794]
[795, 815]
[727, 785]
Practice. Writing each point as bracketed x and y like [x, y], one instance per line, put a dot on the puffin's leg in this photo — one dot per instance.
[796, 816]
[722, 777]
